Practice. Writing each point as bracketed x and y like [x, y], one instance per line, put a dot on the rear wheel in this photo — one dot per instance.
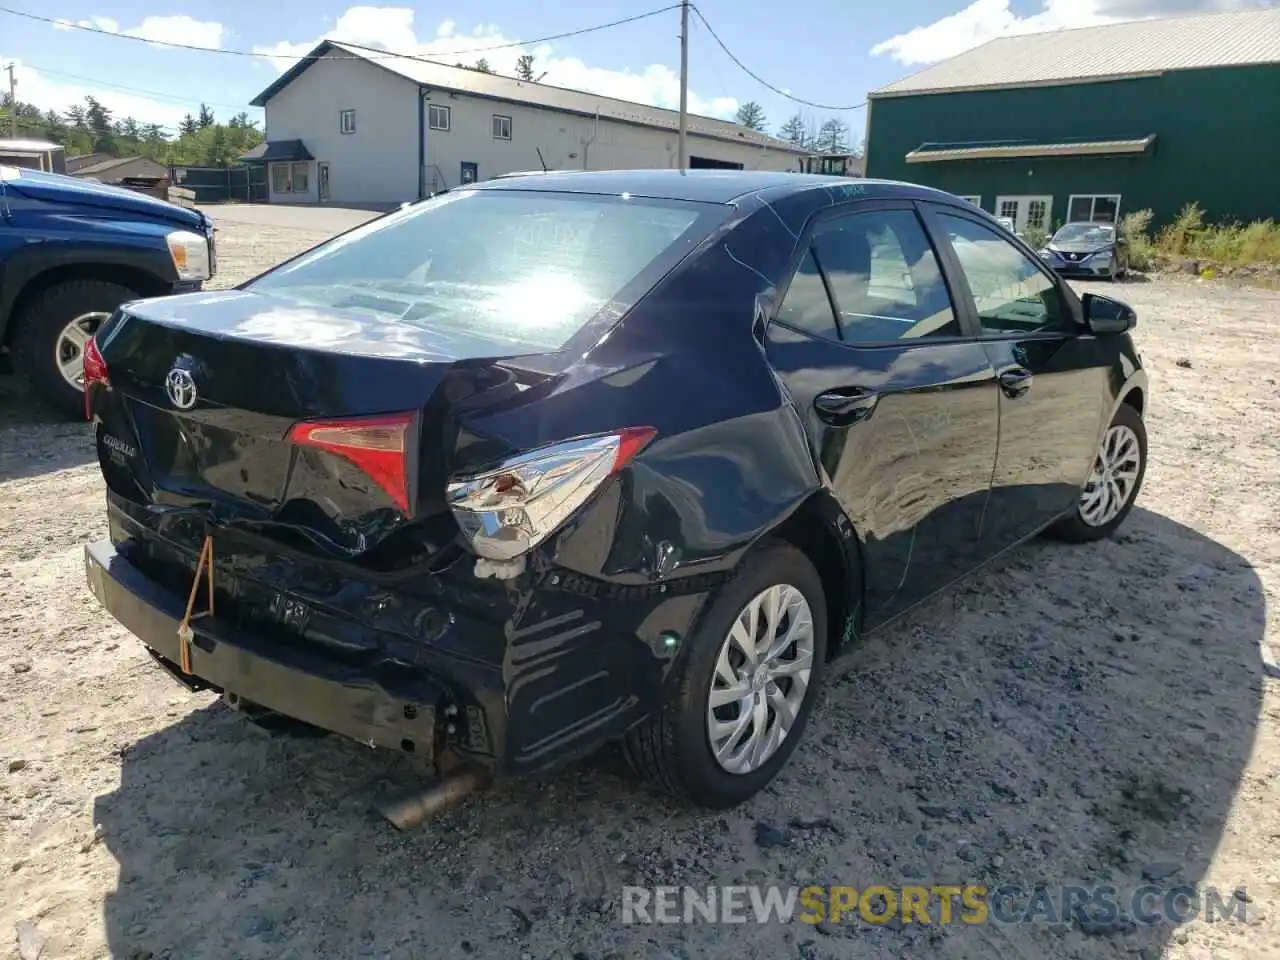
[1114, 482]
[51, 332]
[745, 689]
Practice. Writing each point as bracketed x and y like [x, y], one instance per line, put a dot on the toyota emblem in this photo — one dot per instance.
[181, 388]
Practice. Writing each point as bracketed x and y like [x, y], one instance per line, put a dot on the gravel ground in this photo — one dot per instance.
[1077, 716]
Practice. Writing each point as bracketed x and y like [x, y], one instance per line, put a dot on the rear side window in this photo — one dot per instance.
[524, 268]
[806, 305]
[884, 278]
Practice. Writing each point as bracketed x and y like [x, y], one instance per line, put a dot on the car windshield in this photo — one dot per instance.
[524, 268]
[1085, 233]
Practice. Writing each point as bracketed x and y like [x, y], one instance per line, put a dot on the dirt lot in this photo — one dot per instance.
[1078, 716]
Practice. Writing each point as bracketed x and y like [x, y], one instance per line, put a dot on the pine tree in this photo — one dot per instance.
[751, 116]
[524, 67]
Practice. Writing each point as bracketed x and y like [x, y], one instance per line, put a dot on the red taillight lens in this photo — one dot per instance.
[377, 445]
[95, 372]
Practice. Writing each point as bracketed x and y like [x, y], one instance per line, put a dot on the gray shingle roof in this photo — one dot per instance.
[441, 76]
[1115, 50]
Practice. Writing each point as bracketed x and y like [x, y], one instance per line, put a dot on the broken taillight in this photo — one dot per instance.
[95, 372]
[377, 445]
[507, 511]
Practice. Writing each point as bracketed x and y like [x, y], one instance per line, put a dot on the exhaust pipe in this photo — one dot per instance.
[409, 812]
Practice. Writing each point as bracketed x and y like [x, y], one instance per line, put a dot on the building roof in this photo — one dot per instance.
[441, 76]
[1138, 48]
[272, 151]
[1021, 149]
[115, 163]
[28, 146]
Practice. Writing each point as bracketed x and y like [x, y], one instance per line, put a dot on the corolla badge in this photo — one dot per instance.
[180, 385]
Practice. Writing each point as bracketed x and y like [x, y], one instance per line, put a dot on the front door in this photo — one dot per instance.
[322, 180]
[900, 407]
[1052, 377]
[1026, 212]
[470, 172]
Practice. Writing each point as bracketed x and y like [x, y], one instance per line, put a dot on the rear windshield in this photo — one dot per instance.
[524, 268]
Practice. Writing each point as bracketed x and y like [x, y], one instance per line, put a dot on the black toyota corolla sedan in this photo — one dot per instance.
[562, 459]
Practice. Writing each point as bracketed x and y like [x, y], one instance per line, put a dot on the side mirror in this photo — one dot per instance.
[1105, 315]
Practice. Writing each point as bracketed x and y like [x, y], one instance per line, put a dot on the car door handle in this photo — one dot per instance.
[1015, 382]
[845, 405]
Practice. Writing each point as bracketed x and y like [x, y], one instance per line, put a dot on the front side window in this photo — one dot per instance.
[438, 117]
[884, 278]
[521, 269]
[501, 127]
[1011, 292]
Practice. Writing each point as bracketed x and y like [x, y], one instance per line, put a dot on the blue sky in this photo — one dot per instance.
[827, 51]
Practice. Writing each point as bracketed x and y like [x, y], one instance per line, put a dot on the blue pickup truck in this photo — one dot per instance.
[72, 251]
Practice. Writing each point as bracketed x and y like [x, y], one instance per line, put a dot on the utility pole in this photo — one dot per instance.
[684, 84]
[13, 103]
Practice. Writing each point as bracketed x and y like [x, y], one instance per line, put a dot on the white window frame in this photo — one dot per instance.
[498, 119]
[291, 171]
[1093, 202]
[434, 112]
[1023, 201]
[346, 121]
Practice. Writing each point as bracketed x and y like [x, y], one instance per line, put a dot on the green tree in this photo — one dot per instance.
[524, 67]
[793, 131]
[98, 119]
[206, 117]
[751, 116]
[483, 66]
[188, 127]
[833, 137]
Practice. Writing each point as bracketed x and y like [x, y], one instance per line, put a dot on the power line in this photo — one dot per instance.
[139, 90]
[381, 55]
[765, 83]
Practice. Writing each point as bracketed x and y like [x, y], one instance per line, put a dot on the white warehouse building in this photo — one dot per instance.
[357, 126]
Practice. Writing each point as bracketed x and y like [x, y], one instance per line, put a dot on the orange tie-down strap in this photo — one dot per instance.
[185, 634]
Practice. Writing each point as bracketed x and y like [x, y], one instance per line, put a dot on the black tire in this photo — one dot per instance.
[1073, 528]
[39, 326]
[671, 748]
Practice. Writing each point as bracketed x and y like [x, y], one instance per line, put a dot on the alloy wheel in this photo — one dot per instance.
[1114, 477]
[761, 679]
[68, 350]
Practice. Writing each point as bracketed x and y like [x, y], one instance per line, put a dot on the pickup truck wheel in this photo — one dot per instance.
[742, 696]
[51, 332]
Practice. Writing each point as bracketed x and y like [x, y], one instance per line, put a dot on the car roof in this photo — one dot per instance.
[706, 186]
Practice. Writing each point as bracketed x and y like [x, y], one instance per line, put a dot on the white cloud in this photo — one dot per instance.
[985, 20]
[392, 29]
[51, 94]
[175, 29]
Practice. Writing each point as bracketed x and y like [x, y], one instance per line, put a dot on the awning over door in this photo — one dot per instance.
[278, 151]
[1015, 150]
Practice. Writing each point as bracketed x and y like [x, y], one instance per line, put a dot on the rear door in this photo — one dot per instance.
[1052, 375]
[900, 404]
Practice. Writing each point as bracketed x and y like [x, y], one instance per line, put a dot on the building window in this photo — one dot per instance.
[501, 127]
[1093, 208]
[290, 177]
[347, 121]
[976, 201]
[438, 117]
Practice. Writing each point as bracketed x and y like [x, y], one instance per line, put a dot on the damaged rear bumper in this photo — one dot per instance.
[403, 717]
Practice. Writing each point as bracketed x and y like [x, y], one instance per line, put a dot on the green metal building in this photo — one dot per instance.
[1092, 123]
